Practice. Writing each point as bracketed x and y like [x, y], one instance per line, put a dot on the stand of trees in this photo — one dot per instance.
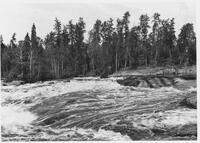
[109, 48]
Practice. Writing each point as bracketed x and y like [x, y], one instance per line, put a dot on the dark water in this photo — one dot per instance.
[94, 109]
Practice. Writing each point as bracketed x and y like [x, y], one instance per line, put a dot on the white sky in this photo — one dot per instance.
[18, 17]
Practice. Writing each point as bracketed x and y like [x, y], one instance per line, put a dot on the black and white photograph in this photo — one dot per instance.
[97, 70]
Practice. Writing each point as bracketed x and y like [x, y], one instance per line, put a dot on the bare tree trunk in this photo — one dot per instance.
[170, 55]
[75, 66]
[156, 56]
[21, 63]
[116, 62]
[62, 66]
[31, 62]
[146, 60]
[126, 57]
[54, 65]
[125, 63]
[58, 65]
[92, 64]
[38, 71]
[52, 68]
[187, 57]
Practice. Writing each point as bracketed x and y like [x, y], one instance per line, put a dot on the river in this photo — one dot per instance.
[93, 109]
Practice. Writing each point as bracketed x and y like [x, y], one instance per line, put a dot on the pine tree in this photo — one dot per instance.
[144, 25]
[26, 47]
[65, 53]
[33, 52]
[71, 31]
[95, 45]
[50, 48]
[58, 52]
[5, 58]
[187, 45]
[79, 45]
[126, 33]
[106, 50]
[134, 44]
[119, 51]
[155, 37]
[171, 40]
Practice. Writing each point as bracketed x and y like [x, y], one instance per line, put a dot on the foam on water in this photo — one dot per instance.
[13, 115]
[29, 133]
[192, 89]
[180, 117]
[14, 118]
[170, 118]
[17, 119]
[57, 88]
[110, 135]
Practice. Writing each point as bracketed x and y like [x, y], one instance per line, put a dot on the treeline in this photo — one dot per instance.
[109, 47]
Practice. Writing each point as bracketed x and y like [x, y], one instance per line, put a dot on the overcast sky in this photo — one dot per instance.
[19, 17]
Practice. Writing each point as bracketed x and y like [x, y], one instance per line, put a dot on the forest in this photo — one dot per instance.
[109, 47]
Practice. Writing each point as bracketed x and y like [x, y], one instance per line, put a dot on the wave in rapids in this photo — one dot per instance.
[89, 109]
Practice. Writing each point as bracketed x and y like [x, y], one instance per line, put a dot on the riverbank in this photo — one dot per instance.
[189, 70]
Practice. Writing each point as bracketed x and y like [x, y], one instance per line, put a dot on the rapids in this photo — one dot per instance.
[94, 109]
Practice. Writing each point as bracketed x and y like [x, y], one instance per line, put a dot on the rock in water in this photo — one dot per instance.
[105, 72]
[104, 75]
[130, 82]
[16, 82]
[147, 81]
[143, 84]
[133, 132]
[185, 130]
[190, 101]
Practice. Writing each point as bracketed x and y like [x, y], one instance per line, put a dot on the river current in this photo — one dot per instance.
[91, 109]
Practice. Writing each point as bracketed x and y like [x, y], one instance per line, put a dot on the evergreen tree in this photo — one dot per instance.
[59, 49]
[95, 45]
[5, 58]
[65, 53]
[170, 40]
[155, 38]
[144, 25]
[187, 45]
[79, 46]
[26, 57]
[71, 30]
[50, 48]
[126, 33]
[119, 51]
[134, 44]
[33, 52]
[106, 50]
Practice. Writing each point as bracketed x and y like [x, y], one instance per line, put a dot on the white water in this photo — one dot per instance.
[16, 119]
